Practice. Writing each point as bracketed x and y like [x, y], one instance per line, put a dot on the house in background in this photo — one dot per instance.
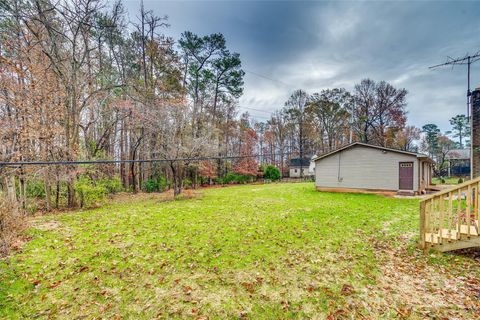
[361, 167]
[458, 162]
[306, 165]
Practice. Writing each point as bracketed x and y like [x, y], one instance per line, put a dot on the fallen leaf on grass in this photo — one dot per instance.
[248, 286]
[83, 268]
[55, 284]
[337, 314]
[36, 282]
[347, 290]
[187, 289]
[404, 312]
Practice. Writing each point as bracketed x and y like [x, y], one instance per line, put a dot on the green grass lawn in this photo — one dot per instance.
[271, 251]
[449, 180]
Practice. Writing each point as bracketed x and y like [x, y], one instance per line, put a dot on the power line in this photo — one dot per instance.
[80, 162]
[259, 110]
[271, 79]
[290, 86]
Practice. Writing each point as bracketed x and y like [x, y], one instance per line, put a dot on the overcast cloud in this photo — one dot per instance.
[320, 45]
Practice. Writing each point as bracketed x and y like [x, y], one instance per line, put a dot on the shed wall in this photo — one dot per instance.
[295, 172]
[364, 168]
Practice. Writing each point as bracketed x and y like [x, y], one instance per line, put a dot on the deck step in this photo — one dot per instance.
[446, 236]
[452, 235]
[473, 229]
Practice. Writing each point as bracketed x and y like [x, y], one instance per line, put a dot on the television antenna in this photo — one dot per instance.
[467, 60]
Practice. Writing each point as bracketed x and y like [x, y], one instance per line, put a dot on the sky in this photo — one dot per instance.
[312, 46]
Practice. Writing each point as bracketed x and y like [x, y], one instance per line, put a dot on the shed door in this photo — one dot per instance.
[406, 176]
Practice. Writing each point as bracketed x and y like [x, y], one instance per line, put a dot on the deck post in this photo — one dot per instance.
[422, 225]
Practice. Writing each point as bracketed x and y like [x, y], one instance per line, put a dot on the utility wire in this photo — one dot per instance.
[259, 110]
[292, 87]
[271, 79]
[79, 162]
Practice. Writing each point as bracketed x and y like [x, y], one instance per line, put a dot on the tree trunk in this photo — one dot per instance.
[177, 179]
[23, 193]
[133, 177]
[48, 191]
[71, 191]
[11, 190]
[57, 194]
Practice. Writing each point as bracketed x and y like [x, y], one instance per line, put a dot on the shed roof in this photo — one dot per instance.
[348, 146]
[297, 162]
[458, 154]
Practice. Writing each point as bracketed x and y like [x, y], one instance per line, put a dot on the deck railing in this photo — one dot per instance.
[450, 215]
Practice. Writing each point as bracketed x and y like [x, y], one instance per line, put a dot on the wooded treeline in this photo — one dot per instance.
[442, 148]
[79, 80]
[316, 123]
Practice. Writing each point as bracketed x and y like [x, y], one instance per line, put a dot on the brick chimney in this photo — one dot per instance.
[475, 139]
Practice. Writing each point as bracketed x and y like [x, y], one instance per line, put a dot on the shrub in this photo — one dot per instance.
[442, 180]
[187, 183]
[113, 185]
[218, 180]
[35, 189]
[11, 224]
[150, 185]
[163, 184]
[88, 192]
[460, 180]
[271, 173]
[155, 185]
[232, 177]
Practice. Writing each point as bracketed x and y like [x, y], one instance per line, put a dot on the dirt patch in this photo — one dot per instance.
[45, 225]
[125, 197]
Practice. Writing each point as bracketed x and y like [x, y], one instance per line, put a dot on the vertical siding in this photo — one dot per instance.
[363, 167]
[294, 174]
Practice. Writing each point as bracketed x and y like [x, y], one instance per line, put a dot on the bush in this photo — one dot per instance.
[232, 177]
[155, 185]
[271, 173]
[218, 180]
[112, 185]
[88, 192]
[35, 189]
[163, 184]
[460, 180]
[11, 224]
[187, 183]
[150, 185]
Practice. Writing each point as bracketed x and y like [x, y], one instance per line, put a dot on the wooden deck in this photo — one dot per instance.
[449, 219]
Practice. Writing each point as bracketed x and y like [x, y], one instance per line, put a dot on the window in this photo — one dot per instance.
[406, 165]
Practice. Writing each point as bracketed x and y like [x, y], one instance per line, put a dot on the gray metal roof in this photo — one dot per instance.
[458, 154]
[295, 162]
[418, 155]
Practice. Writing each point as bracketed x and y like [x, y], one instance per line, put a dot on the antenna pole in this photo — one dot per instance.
[469, 93]
[468, 60]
